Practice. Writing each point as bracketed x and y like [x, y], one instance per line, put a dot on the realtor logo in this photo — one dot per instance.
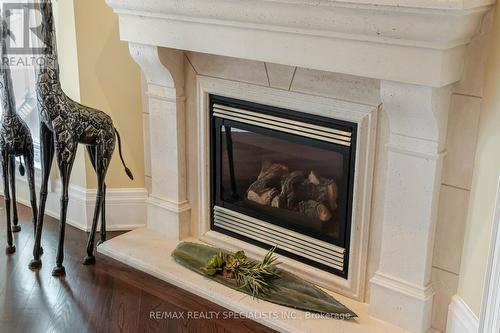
[26, 34]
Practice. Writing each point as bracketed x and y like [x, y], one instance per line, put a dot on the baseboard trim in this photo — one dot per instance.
[461, 319]
[126, 208]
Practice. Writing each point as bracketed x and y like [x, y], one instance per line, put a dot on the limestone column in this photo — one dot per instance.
[401, 290]
[168, 208]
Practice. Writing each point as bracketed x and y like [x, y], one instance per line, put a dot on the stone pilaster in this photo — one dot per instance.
[168, 208]
[401, 290]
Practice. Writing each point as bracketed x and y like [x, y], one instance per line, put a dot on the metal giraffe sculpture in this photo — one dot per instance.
[15, 140]
[63, 124]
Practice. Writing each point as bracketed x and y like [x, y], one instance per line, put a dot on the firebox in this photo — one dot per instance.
[283, 178]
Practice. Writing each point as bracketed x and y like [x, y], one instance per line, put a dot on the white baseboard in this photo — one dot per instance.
[461, 319]
[125, 207]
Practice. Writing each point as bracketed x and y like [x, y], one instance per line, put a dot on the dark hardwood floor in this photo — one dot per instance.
[107, 297]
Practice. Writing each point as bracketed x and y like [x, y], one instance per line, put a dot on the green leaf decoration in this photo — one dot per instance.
[214, 264]
[283, 288]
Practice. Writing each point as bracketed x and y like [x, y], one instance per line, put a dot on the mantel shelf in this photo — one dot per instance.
[419, 42]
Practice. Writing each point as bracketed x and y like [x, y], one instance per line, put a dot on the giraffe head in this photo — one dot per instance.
[7, 98]
[48, 37]
[47, 25]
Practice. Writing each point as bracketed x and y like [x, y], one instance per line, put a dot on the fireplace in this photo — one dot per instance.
[284, 178]
[355, 61]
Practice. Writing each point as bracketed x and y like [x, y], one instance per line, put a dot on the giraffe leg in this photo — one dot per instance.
[65, 166]
[107, 154]
[90, 259]
[92, 155]
[103, 216]
[92, 151]
[15, 227]
[101, 168]
[10, 249]
[47, 155]
[30, 173]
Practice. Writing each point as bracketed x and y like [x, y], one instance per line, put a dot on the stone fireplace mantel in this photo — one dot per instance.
[415, 48]
[412, 41]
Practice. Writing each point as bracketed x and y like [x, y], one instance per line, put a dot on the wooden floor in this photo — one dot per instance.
[107, 297]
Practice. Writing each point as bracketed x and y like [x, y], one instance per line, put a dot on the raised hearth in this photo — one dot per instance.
[135, 248]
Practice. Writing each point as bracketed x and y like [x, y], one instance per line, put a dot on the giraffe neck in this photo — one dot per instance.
[6, 89]
[48, 70]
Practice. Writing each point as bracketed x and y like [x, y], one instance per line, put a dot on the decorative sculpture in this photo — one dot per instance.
[260, 279]
[15, 140]
[63, 124]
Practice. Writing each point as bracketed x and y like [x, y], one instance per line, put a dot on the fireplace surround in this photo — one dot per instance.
[361, 119]
[400, 44]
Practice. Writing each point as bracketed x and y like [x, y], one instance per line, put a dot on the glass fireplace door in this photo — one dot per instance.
[283, 176]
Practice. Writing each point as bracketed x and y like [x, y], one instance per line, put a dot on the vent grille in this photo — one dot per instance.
[283, 125]
[290, 241]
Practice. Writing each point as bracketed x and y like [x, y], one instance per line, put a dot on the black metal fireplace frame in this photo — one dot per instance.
[349, 167]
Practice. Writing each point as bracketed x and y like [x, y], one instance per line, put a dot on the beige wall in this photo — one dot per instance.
[68, 62]
[484, 185]
[110, 81]
[97, 70]
[67, 52]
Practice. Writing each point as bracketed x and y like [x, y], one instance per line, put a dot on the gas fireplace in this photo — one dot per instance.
[284, 178]
[359, 197]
